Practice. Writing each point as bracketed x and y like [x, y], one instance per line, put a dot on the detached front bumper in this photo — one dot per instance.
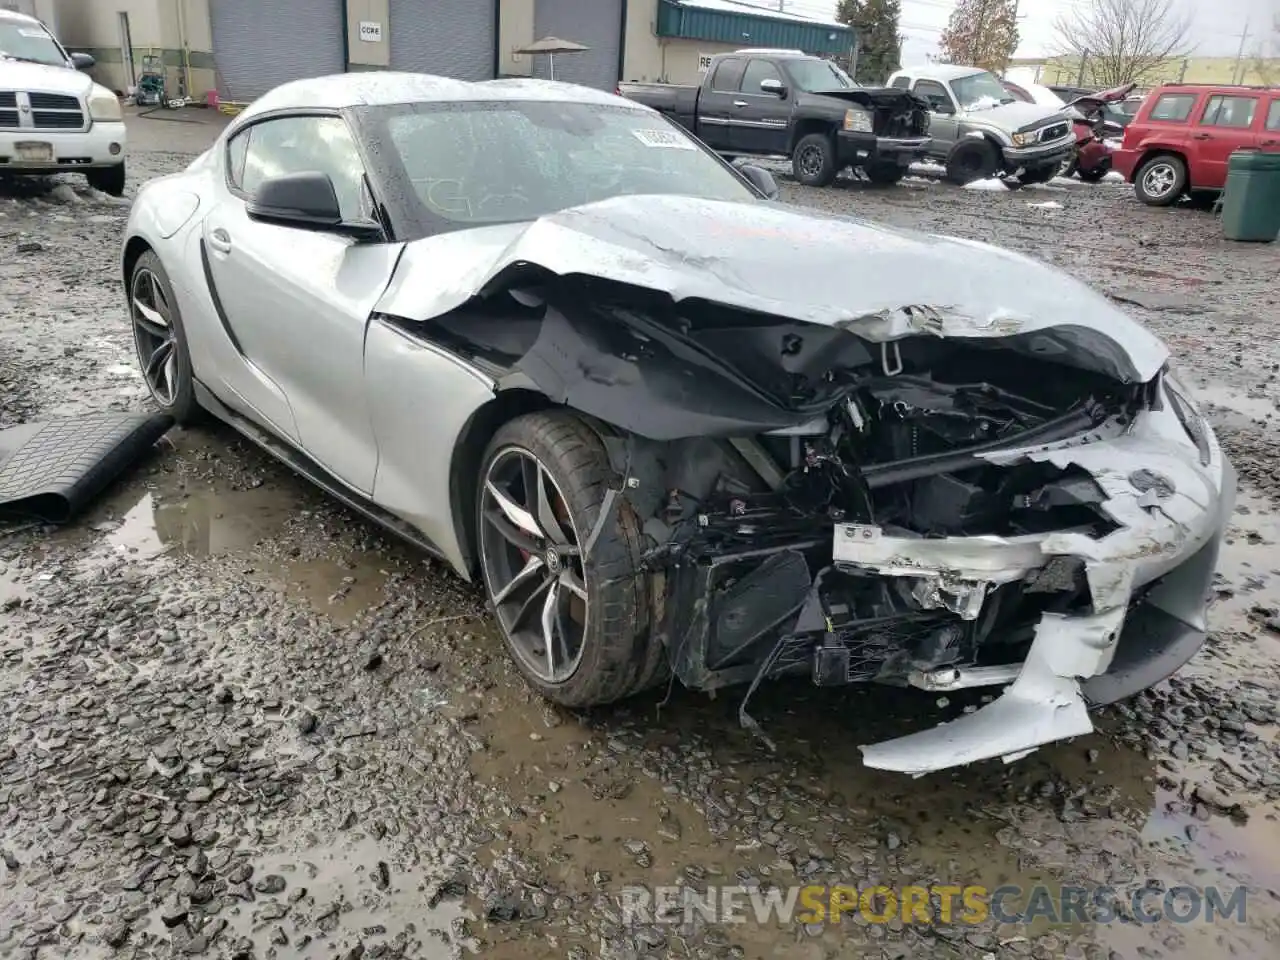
[22, 150]
[1149, 581]
[855, 149]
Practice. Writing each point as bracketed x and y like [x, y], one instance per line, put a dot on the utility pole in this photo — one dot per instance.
[1084, 58]
[1244, 36]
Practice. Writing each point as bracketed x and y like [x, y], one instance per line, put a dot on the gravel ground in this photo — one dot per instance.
[240, 722]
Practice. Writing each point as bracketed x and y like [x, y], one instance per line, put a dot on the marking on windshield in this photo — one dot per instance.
[663, 138]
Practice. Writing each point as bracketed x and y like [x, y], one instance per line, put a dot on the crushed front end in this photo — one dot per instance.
[957, 514]
[1001, 485]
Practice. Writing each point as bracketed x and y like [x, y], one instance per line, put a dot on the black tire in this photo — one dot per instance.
[972, 160]
[813, 162]
[181, 405]
[885, 173]
[1161, 181]
[1070, 166]
[1096, 174]
[1038, 175]
[620, 654]
[109, 180]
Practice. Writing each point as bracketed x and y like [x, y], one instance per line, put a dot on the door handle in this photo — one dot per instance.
[1270, 143]
[739, 103]
[220, 240]
[1203, 136]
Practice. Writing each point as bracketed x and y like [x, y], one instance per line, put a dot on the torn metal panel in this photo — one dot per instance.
[789, 263]
[1043, 705]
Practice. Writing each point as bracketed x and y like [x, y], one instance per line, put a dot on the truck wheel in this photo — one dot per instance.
[1096, 174]
[577, 628]
[972, 160]
[1161, 180]
[108, 180]
[814, 161]
[884, 174]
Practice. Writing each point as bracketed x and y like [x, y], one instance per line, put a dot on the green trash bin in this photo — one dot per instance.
[1251, 200]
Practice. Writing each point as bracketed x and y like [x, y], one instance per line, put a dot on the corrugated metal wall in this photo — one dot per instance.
[748, 30]
[450, 38]
[259, 45]
[597, 24]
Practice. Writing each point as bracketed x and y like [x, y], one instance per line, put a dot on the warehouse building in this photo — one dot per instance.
[242, 48]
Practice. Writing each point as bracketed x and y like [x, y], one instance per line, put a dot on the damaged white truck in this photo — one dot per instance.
[673, 426]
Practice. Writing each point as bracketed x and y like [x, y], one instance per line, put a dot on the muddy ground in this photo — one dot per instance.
[238, 721]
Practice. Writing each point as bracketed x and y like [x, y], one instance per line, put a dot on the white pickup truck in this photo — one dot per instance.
[53, 118]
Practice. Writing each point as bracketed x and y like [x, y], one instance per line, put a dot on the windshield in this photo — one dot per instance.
[32, 42]
[816, 75]
[980, 91]
[507, 161]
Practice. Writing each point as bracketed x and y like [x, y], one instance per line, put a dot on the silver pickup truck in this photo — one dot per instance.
[979, 129]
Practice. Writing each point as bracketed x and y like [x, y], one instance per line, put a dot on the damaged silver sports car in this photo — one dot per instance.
[674, 426]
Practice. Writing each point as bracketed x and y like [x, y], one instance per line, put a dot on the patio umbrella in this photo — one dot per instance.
[551, 46]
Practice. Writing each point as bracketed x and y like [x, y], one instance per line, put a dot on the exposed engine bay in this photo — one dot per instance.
[926, 511]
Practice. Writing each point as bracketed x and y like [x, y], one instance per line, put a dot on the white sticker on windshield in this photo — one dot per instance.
[663, 138]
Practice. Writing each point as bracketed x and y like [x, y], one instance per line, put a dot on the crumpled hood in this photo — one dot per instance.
[878, 282]
[16, 75]
[1014, 117]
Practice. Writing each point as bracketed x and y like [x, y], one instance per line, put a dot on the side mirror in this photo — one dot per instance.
[760, 178]
[82, 61]
[306, 201]
[776, 87]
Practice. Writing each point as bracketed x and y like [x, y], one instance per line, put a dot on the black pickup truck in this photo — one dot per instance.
[765, 103]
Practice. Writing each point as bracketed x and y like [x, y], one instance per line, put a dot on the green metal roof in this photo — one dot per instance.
[718, 24]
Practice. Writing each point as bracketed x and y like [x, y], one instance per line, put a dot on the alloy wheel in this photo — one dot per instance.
[810, 161]
[154, 337]
[1159, 179]
[532, 564]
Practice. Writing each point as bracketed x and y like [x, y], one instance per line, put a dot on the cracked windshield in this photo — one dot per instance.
[494, 481]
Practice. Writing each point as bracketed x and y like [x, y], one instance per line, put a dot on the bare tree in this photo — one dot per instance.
[1266, 60]
[1123, 40]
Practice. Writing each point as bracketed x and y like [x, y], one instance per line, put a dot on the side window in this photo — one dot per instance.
[302, 145]
[1173, 107]
[236, 150]
[1236, 112]
[728, 75]
[936, 94]
[1273, 116]
[758, 70]
[902, 83]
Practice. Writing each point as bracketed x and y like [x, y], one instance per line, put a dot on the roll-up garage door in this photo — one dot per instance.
[449, 38]
[597, 25]
[259, 45]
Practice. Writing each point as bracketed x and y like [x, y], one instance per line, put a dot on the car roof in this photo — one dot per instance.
[940, 71]
[1215, 87]
[13, 16]
[383, 88]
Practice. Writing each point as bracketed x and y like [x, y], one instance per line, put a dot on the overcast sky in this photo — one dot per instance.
[1216, 23]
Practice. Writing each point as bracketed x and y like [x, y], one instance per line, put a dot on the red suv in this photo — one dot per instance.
[1183, 134]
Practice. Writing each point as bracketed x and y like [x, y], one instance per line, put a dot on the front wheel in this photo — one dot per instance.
[972, 160]
[814, 161]
[571, 601]
[108, 180]
[161, 341]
